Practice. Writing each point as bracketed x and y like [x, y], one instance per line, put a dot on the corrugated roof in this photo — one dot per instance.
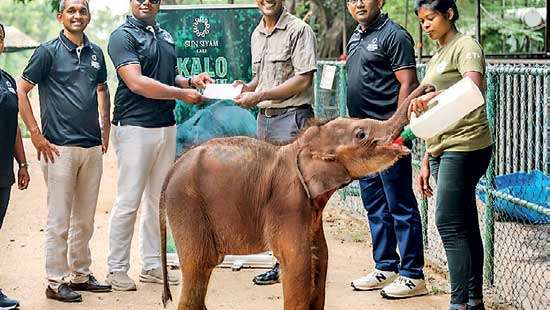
[17, 40]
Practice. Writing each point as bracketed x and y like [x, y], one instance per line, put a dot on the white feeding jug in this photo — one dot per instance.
[447, 108]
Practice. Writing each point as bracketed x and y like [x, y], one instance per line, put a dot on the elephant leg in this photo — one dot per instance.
[197, 254]
[195, 284]
[319, 264]
[296, 278]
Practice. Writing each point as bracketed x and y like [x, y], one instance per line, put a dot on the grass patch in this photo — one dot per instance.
[436, 291]
[358, 237]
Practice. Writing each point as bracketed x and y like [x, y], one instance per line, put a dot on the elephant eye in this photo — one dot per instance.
[360, 134]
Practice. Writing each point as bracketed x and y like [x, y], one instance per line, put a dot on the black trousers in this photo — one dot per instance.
[4, 199]
[457, 174]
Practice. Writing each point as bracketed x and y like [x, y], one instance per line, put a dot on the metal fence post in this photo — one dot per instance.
[343, 90]
[316, 100]
[424, 219]
[489, 211]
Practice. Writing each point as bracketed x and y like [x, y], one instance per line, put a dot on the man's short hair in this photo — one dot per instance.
[62, 5]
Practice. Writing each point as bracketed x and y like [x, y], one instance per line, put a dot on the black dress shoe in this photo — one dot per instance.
[269, 277]
[92, 285]
[64, 293]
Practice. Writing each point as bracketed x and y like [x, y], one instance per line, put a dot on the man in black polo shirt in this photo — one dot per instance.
[70, 73]
[144, 137]
[381, 74]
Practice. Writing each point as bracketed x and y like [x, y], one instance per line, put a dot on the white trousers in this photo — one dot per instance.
[73, 186]
[145, 155]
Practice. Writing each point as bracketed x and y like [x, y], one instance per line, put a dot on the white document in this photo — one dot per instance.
[222, 91]
[327, 78]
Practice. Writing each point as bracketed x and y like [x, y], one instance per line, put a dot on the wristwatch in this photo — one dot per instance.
[23, 165]
[190, 82]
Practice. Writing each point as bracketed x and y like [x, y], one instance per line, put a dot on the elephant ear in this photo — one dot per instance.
[321, 173]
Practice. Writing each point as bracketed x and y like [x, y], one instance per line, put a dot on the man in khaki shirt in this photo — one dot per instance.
[283, 63]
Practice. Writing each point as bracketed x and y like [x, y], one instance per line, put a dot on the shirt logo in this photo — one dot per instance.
[201, 27]
[440, 68]
[373, 45]
[95, 64]
[10, 87]
[167, 37]
[473, 55]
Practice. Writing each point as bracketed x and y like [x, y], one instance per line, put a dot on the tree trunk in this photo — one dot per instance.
[331, 29]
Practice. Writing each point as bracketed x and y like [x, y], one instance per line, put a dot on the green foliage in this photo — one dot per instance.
[33, 18]
[499, 35]
[54, 4]
[503, 35]
[36, 19]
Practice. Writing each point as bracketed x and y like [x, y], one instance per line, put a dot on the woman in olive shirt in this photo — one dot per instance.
[11, 146]
[458, 157]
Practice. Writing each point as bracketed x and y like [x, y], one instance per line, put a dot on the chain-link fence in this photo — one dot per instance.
[513, 197]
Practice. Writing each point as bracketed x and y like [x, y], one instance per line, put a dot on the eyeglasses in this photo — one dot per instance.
[150, 1]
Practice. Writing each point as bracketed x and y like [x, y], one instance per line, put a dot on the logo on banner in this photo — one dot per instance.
[201, 27]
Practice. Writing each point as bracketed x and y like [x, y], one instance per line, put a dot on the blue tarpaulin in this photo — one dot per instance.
[219, 119]
[533, 187]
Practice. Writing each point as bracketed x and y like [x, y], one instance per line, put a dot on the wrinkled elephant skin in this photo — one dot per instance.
[243, 196]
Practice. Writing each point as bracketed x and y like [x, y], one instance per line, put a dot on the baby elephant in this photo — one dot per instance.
[243, 196]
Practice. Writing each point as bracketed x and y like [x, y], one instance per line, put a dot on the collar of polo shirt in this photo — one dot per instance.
[282, 23]
[143, 25]
[377, 25]
[70, 45]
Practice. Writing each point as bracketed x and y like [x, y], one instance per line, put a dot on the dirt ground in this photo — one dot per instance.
[22, 261]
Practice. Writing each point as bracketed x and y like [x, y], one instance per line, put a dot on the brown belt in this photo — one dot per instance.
[272, 112]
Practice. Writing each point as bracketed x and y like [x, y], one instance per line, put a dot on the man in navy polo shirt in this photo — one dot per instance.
[144, 137]
[381, 74]
[70, 73]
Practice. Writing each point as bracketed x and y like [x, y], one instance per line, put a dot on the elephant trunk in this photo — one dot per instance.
[394, 125]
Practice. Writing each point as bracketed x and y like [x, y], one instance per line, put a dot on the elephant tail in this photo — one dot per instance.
[166, 294]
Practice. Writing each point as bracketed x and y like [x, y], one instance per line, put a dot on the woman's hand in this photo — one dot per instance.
[423, 179]
[420, 104]
[23, 178]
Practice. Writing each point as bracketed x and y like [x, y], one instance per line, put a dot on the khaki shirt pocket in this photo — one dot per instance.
[256, 64]
[281, 65]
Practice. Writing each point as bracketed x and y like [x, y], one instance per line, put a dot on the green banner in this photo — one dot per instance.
[213, 39]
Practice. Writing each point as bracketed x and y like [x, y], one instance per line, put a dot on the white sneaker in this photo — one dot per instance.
[155, 276]
[374, 280]
[404, 287]
[120, 281]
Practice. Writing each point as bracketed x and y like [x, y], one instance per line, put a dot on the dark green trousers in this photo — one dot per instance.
[457, 174]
